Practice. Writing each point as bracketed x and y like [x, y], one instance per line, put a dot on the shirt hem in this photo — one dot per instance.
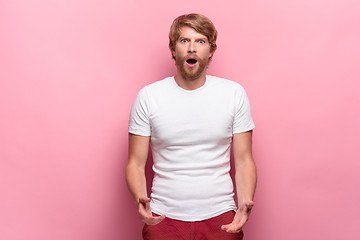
[244, 129]
[194, 219]
[139, 132]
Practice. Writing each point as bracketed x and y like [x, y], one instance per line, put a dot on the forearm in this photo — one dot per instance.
[135, 168]
[245, 179]
[136, 181]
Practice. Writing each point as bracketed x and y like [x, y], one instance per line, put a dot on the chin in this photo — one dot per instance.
[192, 74]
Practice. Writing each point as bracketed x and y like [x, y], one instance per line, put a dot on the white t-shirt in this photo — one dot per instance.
[191, 134]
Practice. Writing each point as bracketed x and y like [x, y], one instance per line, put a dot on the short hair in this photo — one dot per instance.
[199, 23]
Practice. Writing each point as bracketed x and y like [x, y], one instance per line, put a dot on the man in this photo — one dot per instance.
[191, 120]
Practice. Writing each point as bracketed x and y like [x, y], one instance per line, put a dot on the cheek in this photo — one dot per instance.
[206, 55]
[179, 50]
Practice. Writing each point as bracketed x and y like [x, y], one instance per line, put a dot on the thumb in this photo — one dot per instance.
[144, 200]
[249, 205]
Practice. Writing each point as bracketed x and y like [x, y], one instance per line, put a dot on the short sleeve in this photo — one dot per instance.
[139, 123]
[242, 117]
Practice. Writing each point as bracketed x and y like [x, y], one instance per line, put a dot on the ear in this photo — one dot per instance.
[211, 54]
[173, 54]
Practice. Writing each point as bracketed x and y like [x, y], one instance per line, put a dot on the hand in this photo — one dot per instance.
[240, 218]
[145, 212]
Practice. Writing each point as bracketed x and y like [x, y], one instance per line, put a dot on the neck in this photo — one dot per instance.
[190, 84]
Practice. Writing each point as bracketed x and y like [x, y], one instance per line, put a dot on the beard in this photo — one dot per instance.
[188, 72]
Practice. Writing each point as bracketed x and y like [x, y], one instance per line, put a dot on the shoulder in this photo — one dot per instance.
[154, 88]
[158, 85]
[226, 84]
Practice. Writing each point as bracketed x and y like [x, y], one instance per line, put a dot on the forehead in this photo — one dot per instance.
[189, 32]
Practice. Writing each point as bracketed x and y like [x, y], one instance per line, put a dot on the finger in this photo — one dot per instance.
[231, 229]
[144, 199]
[144, 202]
[236, 227]
[159, 219]
[143, 211]
[155, 220]
[249, 205]
[226, 227]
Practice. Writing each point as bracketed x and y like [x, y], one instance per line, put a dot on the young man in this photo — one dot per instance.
[191, 120]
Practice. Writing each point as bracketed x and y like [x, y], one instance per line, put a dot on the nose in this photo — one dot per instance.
[191, 48]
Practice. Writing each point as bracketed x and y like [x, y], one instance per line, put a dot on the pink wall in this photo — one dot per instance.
[69, 71]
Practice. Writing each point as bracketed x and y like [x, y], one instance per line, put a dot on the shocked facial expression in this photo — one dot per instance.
[192, 53]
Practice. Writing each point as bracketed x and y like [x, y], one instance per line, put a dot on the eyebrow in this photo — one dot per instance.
[197, 39]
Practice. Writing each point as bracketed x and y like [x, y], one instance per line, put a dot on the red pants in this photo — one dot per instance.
[209, 229]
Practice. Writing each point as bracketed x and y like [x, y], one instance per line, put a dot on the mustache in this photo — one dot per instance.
[192, 56]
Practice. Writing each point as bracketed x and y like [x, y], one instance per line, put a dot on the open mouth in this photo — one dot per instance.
[191, 61]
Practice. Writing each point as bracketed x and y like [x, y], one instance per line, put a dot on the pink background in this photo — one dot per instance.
[69, 71]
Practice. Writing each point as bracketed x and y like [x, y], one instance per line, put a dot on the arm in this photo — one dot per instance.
[245, 179]
[135, 177]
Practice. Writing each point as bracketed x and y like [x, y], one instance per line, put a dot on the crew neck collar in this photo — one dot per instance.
[191, 91]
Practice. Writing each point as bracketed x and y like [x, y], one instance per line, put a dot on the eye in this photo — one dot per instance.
[201, 41]
[183, 41]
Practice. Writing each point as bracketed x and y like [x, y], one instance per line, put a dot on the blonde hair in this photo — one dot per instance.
[199, 23]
